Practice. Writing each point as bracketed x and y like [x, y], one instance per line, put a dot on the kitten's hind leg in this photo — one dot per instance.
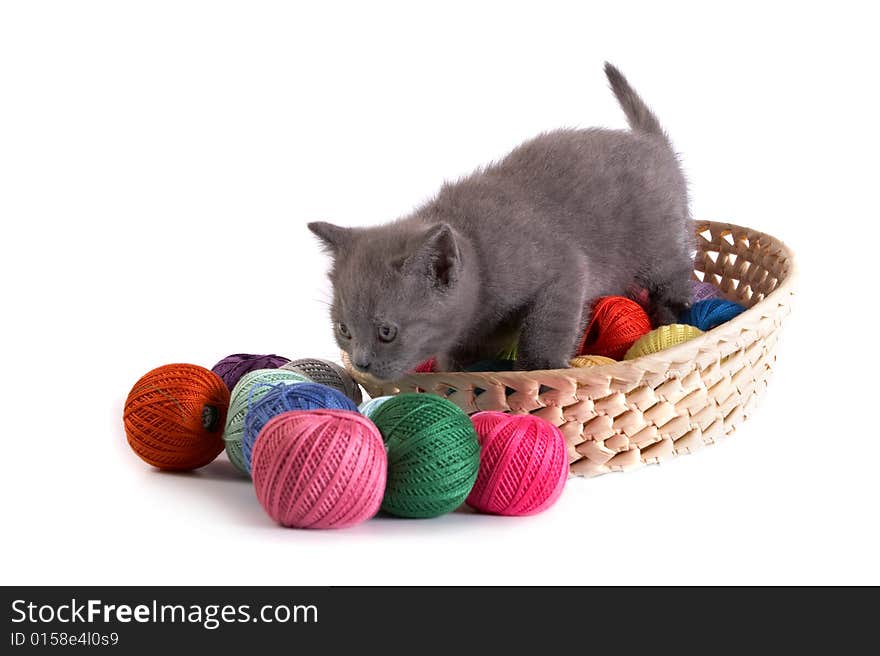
[550, 329]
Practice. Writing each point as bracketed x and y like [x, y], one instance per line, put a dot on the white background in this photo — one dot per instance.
[159, 162]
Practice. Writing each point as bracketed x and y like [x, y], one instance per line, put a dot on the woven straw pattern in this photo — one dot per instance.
[621, 416]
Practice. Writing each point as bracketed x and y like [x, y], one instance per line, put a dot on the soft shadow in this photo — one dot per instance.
[219, 470]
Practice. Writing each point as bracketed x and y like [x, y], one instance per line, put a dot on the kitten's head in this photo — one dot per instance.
[396, 293]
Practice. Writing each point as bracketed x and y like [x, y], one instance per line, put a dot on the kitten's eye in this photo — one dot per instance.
[387, 333]
[343, 330]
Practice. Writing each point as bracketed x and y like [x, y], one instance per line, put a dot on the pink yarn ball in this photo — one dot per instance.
[319, 468]
[523, 464]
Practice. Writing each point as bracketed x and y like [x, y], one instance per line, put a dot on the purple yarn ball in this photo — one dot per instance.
[233, 367]
[700, 291]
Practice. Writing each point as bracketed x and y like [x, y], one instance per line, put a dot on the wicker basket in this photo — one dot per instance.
[620, 416]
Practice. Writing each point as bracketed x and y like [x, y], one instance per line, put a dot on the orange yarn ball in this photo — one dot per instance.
[616, 323]
[174, 416]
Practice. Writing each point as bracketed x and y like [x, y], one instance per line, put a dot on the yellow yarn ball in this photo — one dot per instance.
[591, 361]
[662, 338]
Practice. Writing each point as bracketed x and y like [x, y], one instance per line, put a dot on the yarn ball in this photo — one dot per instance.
[283, 398]
[710, 313]
[259, 382]
[233, 367]
[174, 416]
[319, 469]
[523, 464]
[329, 374]
[367, 408]
[662, 338]
[590, 361]
[616, 323]
[700, 291]
[433, 455]
[427, 367]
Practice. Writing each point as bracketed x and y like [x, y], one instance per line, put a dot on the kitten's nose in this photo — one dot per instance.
[362, 363]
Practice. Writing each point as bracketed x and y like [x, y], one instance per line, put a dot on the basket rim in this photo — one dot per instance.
[581, 375]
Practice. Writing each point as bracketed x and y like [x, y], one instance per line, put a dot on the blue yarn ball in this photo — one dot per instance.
[710, 313]
[283, 398]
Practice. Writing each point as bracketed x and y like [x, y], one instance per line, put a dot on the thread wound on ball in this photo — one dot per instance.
[582, 361]
[615, 324]
[233, 432]
[433, 454]
[329, 374]
[319, 469]
[233, 367]
[710, 313]
[165, 412]
[367, 408]
[427, 367]
[700, 291]
[284, 398]
[662, 338]
[523, 464]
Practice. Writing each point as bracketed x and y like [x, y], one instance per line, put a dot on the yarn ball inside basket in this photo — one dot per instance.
[367, 408]
[615, 324]
[582, 361]
[260, 382]
[233, 367]
[710, 313]
[284, 398]
[329, 374]
[523, 464]
[662, 338]
[174, 416]
[433, 455]
[700, 291]
[427, 367]
[319, 469]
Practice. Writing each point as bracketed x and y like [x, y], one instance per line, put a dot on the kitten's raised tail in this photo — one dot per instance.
[640, 117]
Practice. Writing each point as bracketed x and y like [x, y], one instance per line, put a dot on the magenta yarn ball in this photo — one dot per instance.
[319, 468]
[523, 464]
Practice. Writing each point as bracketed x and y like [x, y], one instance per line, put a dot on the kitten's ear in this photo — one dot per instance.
[438, 256]
[332, 237]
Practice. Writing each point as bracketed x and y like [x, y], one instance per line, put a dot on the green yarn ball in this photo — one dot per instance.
[433, 455]
[238, 405]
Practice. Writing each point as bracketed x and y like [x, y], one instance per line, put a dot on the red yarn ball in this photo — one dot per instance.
[174, 416]
[615, 325]
[427, 367]
[319, 468]
[523, 464]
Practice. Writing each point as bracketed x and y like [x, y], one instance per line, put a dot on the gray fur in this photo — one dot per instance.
[526, 243]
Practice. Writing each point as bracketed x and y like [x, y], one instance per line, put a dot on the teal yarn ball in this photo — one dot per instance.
[367, 408]
[433, 455]
[250, 389]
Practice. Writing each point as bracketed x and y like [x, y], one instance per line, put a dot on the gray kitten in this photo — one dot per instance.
[523, 244]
